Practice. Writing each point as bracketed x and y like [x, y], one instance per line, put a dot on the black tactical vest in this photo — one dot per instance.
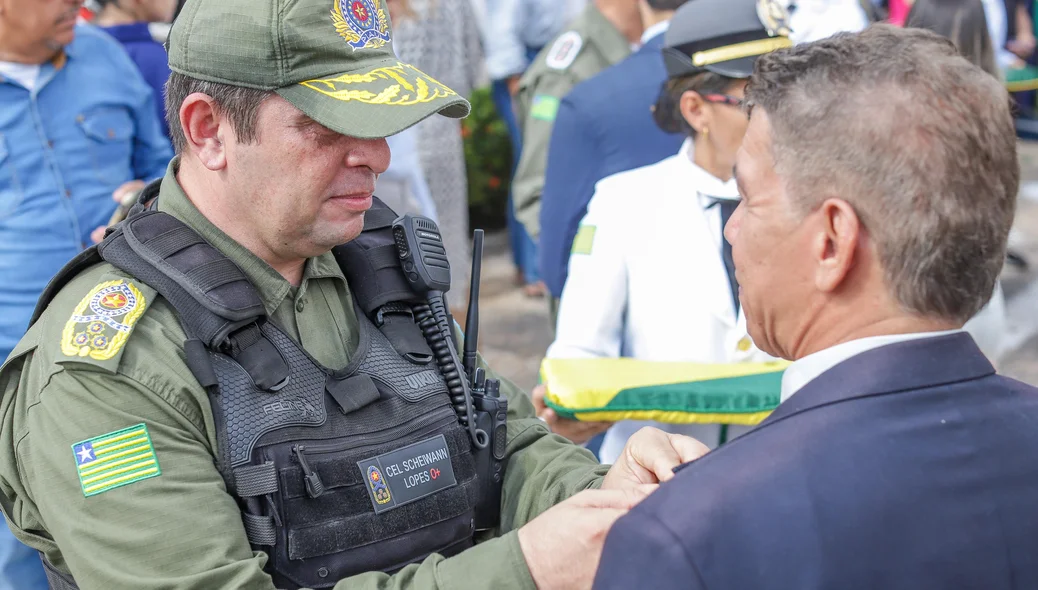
[337, 471]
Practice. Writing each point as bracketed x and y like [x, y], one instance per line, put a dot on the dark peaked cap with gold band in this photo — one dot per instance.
[724, 36]
[332, 59]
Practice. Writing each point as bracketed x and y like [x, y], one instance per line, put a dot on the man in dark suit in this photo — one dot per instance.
[603, 126]
[879, 178]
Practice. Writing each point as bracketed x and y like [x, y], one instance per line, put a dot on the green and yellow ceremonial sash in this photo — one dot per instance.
[614, 389]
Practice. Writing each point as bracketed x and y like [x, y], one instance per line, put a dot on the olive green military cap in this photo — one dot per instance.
[332, 59]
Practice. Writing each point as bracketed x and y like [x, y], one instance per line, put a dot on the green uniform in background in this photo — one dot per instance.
[589, 45]
[177, 527]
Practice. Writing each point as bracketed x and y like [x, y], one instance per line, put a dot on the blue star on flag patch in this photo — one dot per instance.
[115, 459]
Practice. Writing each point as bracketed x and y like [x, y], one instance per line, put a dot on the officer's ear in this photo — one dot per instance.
[694, 110]
[204, 131]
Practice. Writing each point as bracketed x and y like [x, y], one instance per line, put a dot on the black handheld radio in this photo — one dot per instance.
[476, 399]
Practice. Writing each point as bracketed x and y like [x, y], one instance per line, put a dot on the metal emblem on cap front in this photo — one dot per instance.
[362, 23]
[774, 15]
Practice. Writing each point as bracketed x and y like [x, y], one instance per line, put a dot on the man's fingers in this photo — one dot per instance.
[688, 448]
[622, 499]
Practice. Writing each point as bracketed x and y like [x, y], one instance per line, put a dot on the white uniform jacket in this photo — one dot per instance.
[652, 284]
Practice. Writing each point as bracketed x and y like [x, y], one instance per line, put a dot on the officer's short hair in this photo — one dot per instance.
[240, 104]
[917, 139]
[667, 111]
[662, 5]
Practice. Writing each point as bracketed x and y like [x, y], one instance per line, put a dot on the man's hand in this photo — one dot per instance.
[562, 546]
[1023, 46]
[650, 456]
[127, 191]
[513, 85]
[575, 430]
[124, 195]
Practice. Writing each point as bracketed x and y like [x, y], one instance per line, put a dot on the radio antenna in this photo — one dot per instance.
[472, 317]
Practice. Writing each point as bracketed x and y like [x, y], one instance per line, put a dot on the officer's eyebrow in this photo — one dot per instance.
[302, 121]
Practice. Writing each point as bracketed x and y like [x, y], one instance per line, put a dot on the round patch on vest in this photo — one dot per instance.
[564, 50]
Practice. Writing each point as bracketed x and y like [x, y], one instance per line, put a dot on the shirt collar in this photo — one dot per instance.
[272, 287]
[57, 62]
[706, 184]
[805, 370]
[656, 29]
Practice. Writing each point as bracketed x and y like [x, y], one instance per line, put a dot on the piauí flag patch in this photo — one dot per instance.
[115, 459]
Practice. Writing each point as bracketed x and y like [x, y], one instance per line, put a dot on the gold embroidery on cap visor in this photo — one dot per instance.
[739, 51]
[399, 85]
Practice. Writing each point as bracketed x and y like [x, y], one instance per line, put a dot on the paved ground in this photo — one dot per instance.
[515, 332]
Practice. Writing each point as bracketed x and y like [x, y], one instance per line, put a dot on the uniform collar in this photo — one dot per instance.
[272, 287]
[606, 37]
[705, 183]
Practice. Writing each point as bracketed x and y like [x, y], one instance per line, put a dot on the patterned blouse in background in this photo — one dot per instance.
[443, 40]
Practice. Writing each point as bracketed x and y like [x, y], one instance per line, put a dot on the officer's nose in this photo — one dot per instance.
[373, 153]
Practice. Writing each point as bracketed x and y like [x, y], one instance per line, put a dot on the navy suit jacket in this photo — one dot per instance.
[603, 126]
[908, 467]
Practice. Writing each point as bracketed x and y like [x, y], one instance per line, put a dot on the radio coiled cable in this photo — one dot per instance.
[432, 320]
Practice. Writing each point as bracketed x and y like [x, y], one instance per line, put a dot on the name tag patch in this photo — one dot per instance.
[408, 474]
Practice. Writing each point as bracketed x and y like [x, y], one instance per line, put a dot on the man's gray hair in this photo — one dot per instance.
[241, 105]
[917, 139]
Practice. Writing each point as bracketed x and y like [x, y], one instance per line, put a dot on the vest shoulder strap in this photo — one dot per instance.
[209, 291]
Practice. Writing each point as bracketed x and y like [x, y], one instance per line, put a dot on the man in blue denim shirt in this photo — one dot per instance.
[77, 124]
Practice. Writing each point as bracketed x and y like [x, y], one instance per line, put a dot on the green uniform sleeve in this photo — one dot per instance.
[539, 102]
[177, 529]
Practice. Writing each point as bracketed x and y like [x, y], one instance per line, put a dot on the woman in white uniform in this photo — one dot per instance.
[648, 277]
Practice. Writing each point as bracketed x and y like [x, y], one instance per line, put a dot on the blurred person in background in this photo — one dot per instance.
[964, 23]
[403, 186]
[603, 34]
[651, 276]
[77, 124]
[443, 40]
[811, 20]
[127, 21]
[515, 32]
[604, 126]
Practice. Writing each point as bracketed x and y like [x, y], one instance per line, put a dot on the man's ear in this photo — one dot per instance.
[204, 130]
[836, 245]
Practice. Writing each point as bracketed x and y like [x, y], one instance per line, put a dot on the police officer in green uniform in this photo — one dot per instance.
[601, 36]
[229, 392]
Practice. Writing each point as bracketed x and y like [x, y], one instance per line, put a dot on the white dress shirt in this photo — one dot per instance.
[656, 29]
[805, 370]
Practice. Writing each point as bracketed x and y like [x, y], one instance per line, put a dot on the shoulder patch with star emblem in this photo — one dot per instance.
[103, 321]
[115, 459]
